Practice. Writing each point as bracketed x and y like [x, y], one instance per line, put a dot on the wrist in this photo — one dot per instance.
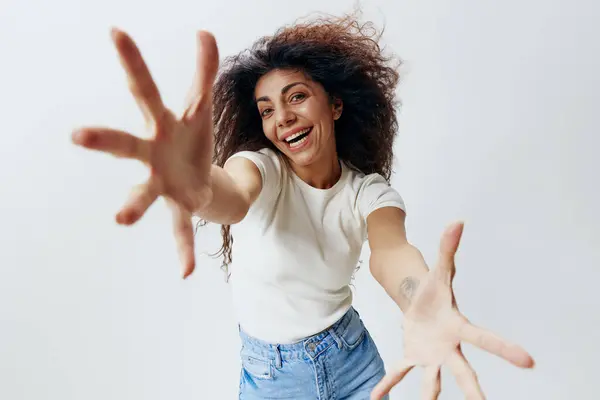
[202, 199]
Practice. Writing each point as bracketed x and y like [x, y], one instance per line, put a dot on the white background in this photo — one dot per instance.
[499, 128]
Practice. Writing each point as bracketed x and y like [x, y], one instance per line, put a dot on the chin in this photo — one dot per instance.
[303, 158]
[301, 161]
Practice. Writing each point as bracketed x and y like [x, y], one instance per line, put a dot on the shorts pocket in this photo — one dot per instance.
[257, 368]
[354, 333]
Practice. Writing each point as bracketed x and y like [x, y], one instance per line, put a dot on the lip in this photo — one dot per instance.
[307, 142]
[292, 132]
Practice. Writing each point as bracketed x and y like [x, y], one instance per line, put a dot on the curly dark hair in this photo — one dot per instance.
[339, 53]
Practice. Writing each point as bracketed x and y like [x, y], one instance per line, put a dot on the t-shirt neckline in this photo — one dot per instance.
[313, 190]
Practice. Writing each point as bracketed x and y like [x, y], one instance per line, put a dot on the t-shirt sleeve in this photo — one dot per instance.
[375, 193]
[269, 166]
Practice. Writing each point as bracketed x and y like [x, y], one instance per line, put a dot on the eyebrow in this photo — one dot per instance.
[285, 89]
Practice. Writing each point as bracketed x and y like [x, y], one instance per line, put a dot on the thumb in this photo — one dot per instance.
[207, 65]
[448, 247]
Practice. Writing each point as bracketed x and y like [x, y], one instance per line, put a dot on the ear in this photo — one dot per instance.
[337, 108]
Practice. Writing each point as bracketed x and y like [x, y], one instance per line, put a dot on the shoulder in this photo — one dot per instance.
[372, 192]
[266, 160]
[270, 166]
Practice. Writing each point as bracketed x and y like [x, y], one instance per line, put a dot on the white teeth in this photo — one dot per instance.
[299, 142]
[295, 135]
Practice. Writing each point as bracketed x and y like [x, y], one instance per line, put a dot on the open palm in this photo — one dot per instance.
[434, 329]
[180, 151]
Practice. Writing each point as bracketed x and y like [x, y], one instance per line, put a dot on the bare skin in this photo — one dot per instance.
[179, 153]
[288, 101]
[433, 326]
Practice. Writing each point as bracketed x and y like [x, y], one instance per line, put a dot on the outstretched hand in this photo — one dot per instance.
[180, 151]
[434, 329]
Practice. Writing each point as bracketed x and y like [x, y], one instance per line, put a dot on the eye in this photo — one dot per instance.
[298, 97]
[265, 112]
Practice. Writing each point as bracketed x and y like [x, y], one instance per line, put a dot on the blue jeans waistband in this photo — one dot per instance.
[309, 347]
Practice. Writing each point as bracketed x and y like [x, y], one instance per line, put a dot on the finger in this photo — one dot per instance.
[184, 238]
[117, 143]
[207, 64]
[448, 247]
[494, 344]
[141, 198]
[465, 376]
[140, 80]
[432, 383]
[391, 379]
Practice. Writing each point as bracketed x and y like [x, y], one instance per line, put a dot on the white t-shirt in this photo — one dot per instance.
[296, 250]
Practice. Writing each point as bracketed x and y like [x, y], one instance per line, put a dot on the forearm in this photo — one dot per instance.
[228, 204]
[400, 271]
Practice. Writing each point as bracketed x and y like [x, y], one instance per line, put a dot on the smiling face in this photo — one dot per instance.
[297, 116]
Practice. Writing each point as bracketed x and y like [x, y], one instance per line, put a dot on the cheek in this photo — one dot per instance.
[268, 130]
[319, 112]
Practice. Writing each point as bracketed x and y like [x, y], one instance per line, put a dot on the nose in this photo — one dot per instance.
[284, 117]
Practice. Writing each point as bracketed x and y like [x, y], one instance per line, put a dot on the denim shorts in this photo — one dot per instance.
[340, 363]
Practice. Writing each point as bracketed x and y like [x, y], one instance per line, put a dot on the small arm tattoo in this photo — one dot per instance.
[408, 287]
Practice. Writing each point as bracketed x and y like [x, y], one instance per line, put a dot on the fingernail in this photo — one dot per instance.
[114, 31]
[77, 135]
[119, 218]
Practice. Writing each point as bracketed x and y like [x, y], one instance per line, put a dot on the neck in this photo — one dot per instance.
[321, 174]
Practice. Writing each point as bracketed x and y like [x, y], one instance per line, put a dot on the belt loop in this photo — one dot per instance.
[335, 337]
[277, 357]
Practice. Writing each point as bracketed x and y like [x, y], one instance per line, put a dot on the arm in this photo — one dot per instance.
[234, 188]
[397, 265]
[433, 326]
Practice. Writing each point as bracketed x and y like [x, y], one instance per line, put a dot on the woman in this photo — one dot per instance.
[292, 147]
